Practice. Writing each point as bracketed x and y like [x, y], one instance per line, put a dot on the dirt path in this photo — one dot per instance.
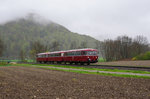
[28, 83]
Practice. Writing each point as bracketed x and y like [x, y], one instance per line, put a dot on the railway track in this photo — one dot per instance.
[109, 67]
[119, 67]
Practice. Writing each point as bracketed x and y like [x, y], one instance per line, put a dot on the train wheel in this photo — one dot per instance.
[70, 63]
[76, 63]
[88, 63]
[81, 63]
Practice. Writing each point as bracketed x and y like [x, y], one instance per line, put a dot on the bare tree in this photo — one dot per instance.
[124, 47]
[73, 45]
[108, 49]
[55, 46]
[22, 55]
[98, 47]
[140, 44]
[84, 44]
[1, 47]
[37, 47]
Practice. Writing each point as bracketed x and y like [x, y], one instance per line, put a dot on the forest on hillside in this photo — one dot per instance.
[19, 36]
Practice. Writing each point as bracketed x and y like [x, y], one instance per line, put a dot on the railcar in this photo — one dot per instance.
[76, 56]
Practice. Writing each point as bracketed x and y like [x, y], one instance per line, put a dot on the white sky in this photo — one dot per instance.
[98, 18]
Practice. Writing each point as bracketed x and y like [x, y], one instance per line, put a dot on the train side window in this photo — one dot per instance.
[83, 53]
[68, 54]
[78, 53]
[48, 55]
[51, 55]
[59, 54]
[72, 53]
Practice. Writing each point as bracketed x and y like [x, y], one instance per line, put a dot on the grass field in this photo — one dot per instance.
[16, 60]
[82, 70]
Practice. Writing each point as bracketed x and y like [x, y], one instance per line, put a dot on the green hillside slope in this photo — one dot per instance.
[19, 34]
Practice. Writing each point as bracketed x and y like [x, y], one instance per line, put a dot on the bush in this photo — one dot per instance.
[101, 60]
[3, 63]
[145, 56]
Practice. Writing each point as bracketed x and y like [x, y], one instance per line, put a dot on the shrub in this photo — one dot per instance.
[143, 56]
[3, 63]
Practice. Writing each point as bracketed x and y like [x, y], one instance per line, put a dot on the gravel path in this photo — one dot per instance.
[36, 83]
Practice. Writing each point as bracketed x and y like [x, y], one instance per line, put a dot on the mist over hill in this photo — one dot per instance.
[20, 33]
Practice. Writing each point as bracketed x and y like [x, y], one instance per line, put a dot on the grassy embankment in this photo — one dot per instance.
[82, 70]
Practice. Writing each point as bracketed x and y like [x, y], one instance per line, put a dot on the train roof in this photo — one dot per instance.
[85, 49]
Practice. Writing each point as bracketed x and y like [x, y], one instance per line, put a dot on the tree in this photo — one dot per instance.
[37, 47]
[140, 44]
[73, 45]
[124, 47]
[107, 48]
[84, 44]
[22, 55]
[55, 46]
[98, 47]
[1, 47]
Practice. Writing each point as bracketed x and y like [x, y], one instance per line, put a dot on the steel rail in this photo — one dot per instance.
[107, 67]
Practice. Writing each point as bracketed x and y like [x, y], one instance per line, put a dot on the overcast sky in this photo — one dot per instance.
[98, 18]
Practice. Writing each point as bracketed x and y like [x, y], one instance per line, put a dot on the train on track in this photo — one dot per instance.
[82, 56]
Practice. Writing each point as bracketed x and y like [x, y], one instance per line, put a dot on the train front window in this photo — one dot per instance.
[91, 53]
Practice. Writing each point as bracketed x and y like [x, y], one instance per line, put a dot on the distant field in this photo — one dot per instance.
[145, 63]
[16, 60]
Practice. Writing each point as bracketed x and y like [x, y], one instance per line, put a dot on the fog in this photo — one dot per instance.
[101, 19]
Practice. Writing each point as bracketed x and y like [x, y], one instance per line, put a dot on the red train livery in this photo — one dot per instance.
[76, 56]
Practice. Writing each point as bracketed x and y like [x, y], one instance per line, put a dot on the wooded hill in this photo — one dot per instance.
[19, 35]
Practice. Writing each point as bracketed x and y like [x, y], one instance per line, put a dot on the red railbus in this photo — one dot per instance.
[76, 56]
